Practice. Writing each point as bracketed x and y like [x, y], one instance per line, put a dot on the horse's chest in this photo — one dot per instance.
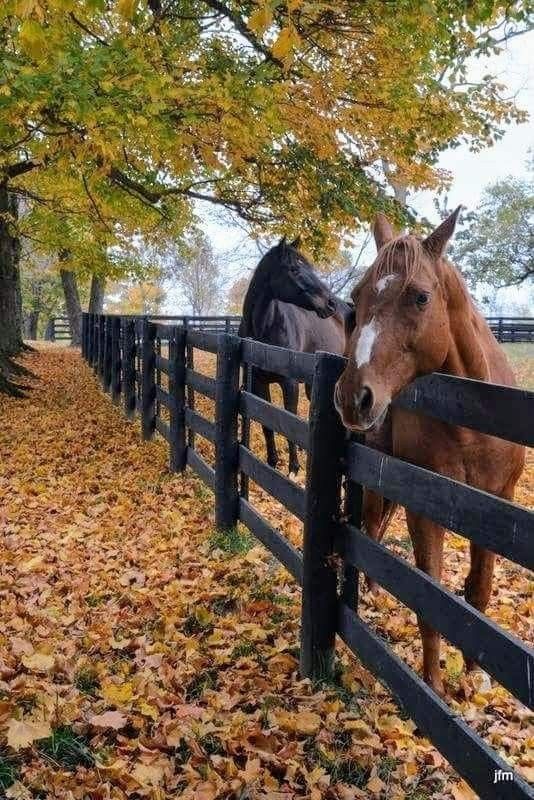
[458, 453]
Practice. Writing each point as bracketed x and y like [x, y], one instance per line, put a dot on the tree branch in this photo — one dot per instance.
[14, 170]
[244, 30]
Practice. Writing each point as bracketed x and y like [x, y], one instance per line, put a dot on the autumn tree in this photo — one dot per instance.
[195, 269]
[236, 295]
[118, 118]
[496, 246]
[145, 297]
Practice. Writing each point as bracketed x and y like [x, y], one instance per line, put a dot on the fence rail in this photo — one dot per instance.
[127, 354]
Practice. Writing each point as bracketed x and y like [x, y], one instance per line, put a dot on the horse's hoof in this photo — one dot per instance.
[372, 586]
[437, 686]
[294, 469]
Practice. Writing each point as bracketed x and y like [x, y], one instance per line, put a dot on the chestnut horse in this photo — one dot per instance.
[414, 316]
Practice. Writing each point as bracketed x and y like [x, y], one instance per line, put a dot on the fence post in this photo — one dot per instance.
[106, 373]
[115, 358]
[128, 366]
[353, 503]
[499, 331]
[178, 446]
[148, 380]
[226, 438]
[323, 488]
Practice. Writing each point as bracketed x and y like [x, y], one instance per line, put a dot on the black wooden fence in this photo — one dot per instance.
[128, 355]
[512, 329]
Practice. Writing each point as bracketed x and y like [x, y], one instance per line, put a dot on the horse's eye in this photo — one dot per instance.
[422, 299]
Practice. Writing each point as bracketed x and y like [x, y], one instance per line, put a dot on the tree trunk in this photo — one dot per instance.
[32, 324]
[10, 293]
[72, 302]
[96, 299]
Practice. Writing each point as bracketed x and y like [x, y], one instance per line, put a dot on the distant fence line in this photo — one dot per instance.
[127, 353]
[505, 329]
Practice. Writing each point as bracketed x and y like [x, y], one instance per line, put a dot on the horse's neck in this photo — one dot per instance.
[471, 350]
[258, 297]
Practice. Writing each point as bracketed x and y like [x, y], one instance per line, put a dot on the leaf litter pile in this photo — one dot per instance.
[144, 655]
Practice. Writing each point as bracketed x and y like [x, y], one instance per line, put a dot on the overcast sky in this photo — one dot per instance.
[470, 172]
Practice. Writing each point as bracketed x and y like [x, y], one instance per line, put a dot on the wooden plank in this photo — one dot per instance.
[498, 525]
[163, 330]
[281, 549]
[288, 493]
[323, 489]
[163, 364]
[202, 469]
[226, 426]
[278, 419]
[200, 383]
[163, 429]
[470, 756]
[279, 360]
[202, 340]
[498, 652]
[200, 424]
[502, 411]
[163, 397]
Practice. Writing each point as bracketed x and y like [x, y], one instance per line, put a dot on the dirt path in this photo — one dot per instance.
[141, 655]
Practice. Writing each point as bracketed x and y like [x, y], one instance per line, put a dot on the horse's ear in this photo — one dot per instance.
[436, 243]
[382, 230]
[296, 242]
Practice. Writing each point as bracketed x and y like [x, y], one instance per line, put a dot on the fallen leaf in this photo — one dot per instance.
[109, 719]
[23, 732]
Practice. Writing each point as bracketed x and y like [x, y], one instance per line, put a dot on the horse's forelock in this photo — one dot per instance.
[402, 256]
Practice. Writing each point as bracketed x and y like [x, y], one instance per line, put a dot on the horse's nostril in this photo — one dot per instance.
[365, 400]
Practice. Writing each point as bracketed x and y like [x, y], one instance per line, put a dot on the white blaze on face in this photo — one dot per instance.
[383, 282]
[366, 340]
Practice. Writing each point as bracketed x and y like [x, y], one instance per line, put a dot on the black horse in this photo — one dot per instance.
[287, 305]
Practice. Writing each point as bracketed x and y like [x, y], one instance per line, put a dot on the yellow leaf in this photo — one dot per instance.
[148, 774]
[461, 791]
[33, 39]
[17, 791]
[260, 19]
[375, 785]
[287, 40]
[30, 565]
[454, 663]
[38, 662]
[300, 722]
[117, 694]
[23, 732]
[127, 8]
[147, 710]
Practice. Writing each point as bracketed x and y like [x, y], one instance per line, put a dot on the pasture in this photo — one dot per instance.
[165, 655]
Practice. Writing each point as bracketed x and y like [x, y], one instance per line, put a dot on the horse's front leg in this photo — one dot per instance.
[377, 512]
[478, 584]
[261, 388]
[290, 392]
[427, 538]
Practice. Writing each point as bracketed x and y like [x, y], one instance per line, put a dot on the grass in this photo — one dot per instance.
[243, 649]
[86, 680]
[65, 747]
[233, 542]
[521, 357]
[8, 772]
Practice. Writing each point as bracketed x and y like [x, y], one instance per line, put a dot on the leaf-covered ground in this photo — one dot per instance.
[142, 655]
